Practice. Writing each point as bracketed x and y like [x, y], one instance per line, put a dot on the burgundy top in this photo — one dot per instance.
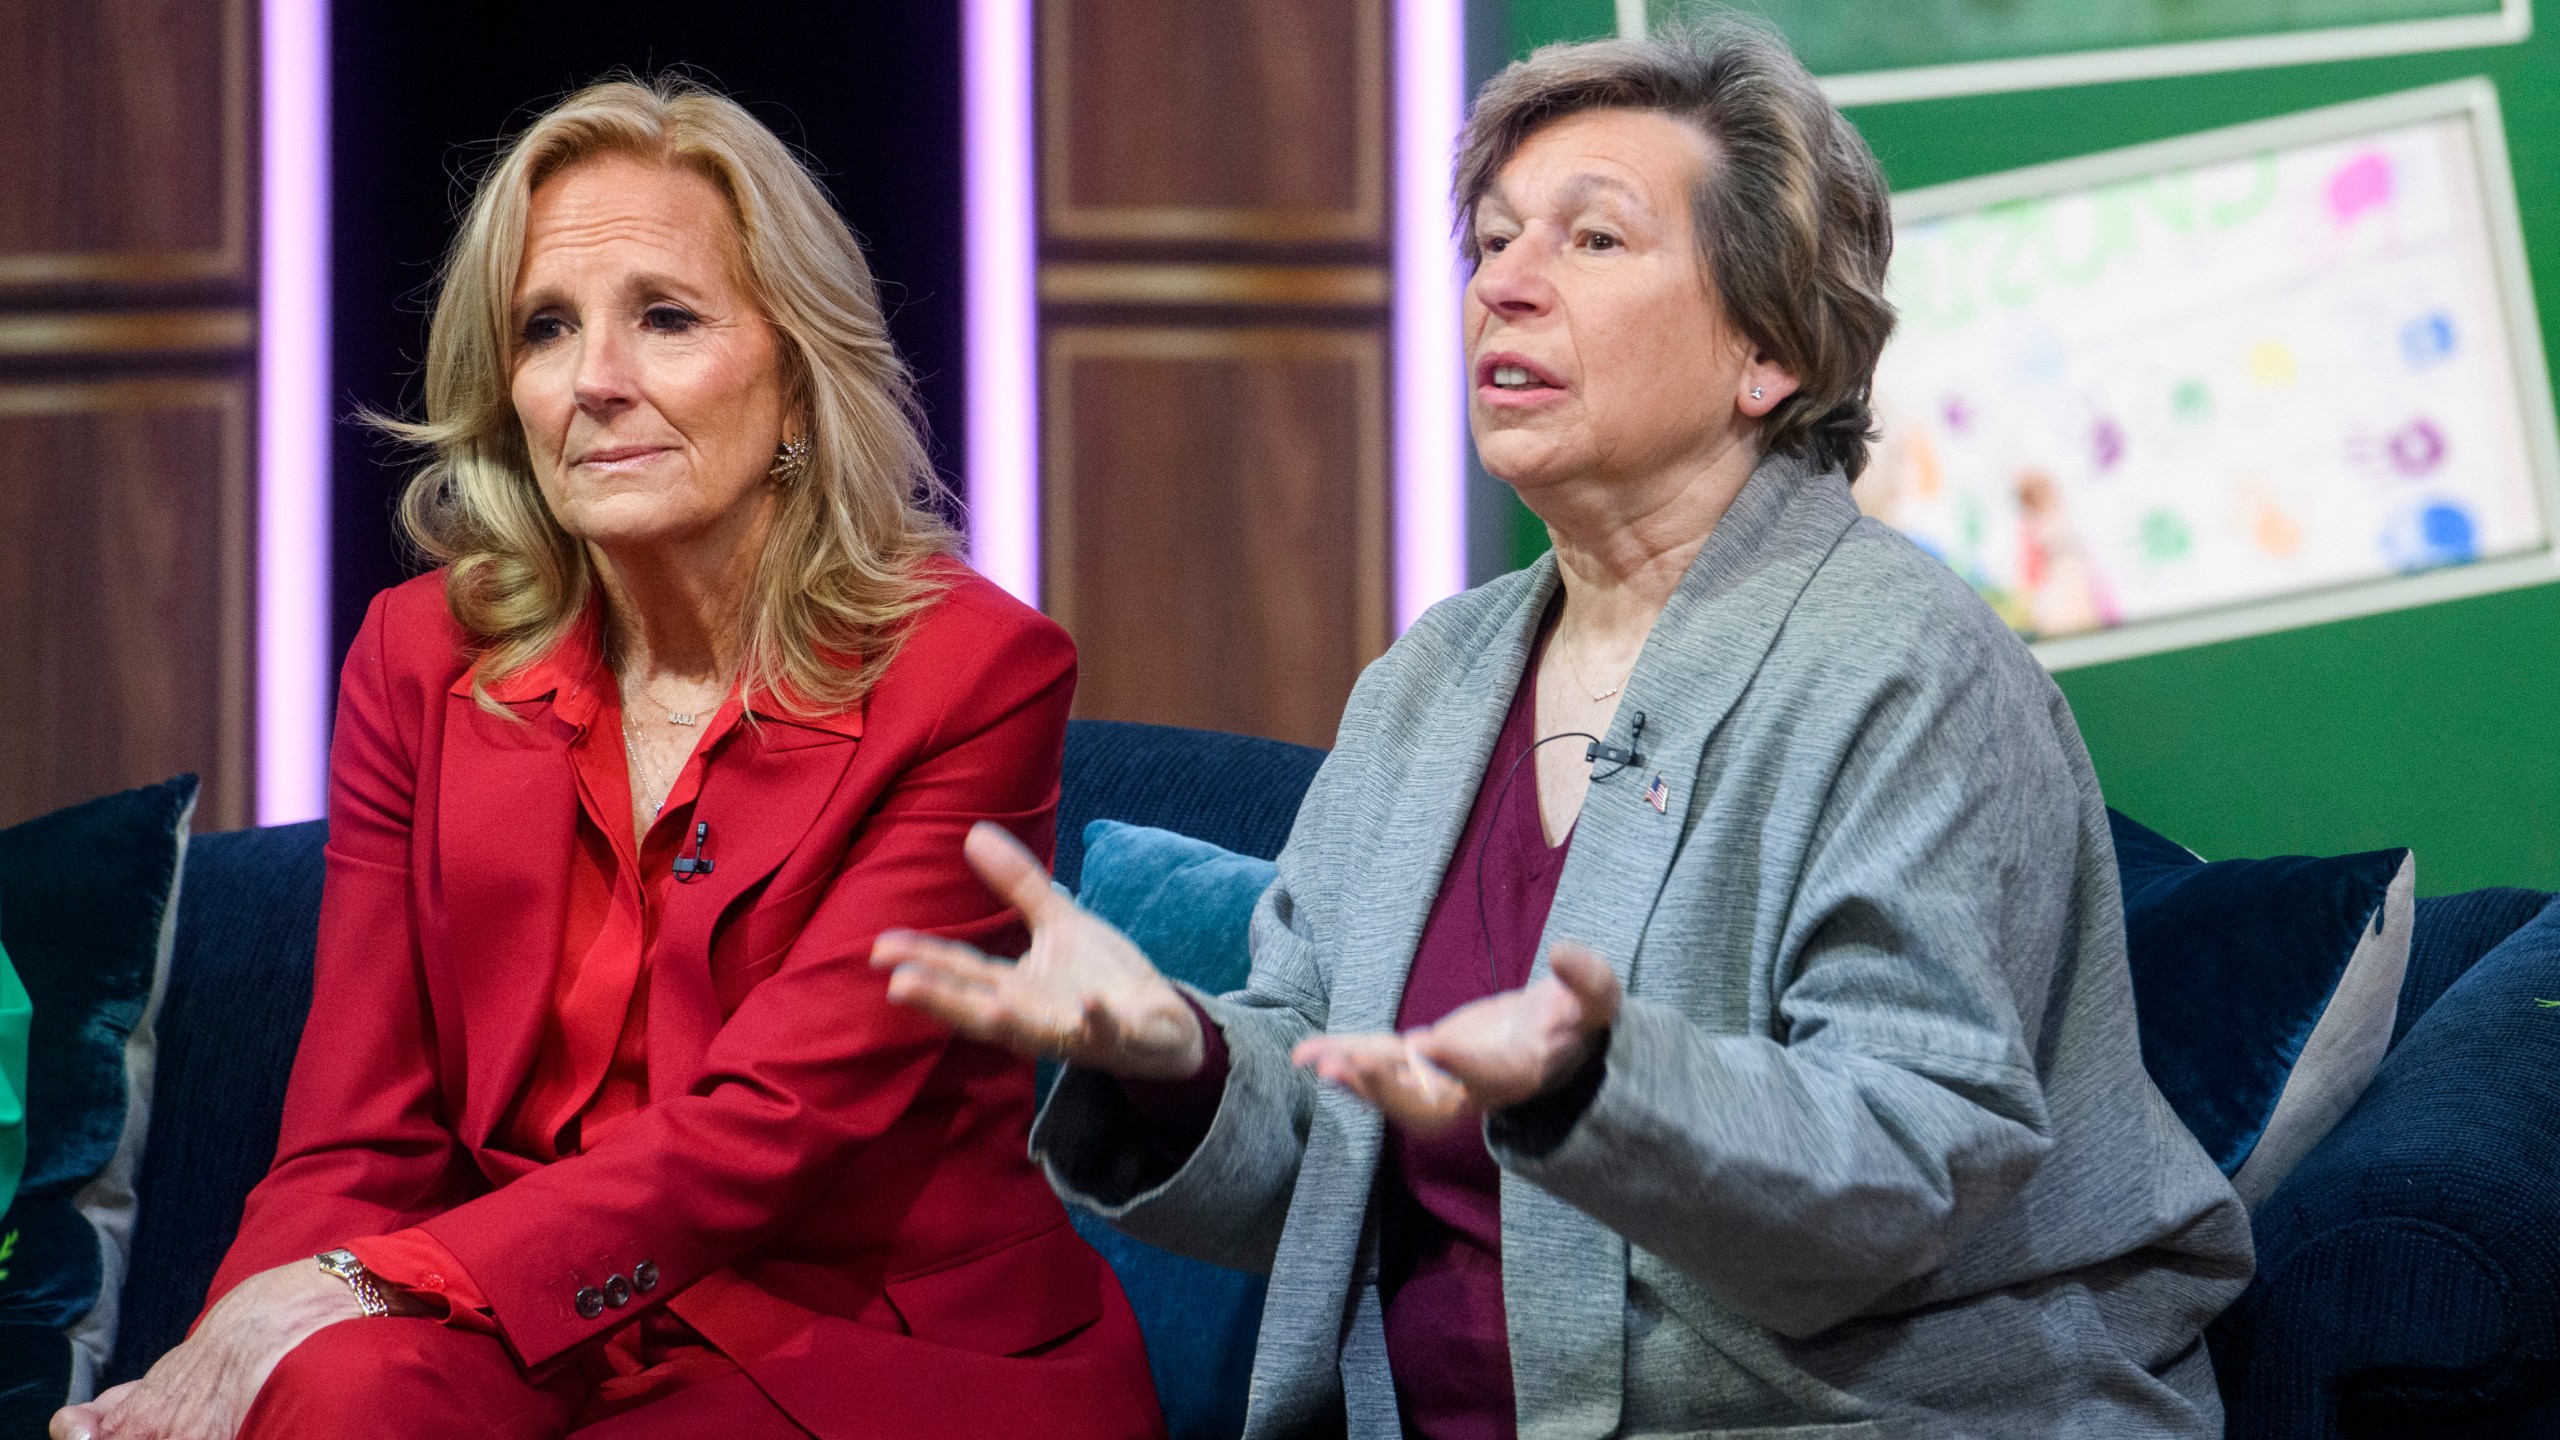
[1441, 1270]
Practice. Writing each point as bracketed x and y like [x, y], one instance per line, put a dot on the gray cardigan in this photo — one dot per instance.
[1874, 1155]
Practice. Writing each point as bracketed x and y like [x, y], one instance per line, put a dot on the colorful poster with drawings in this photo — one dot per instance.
[2209, 386]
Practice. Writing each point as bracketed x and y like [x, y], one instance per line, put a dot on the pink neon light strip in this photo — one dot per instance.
[1430, 352]
[293, 414]
[1003, 319]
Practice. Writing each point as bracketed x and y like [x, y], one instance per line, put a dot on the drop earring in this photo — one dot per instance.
[790, 461]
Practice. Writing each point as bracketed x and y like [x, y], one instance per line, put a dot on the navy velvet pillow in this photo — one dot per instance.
[85, 897]
[1238, 791]
[1189, 905]
[2264, 989]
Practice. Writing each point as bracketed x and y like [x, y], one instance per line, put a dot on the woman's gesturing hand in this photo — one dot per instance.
[1484, 1056]
[1082, 992]
[202, 1390]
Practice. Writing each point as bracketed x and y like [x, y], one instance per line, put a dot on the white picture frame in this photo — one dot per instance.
[2474, 101]
[2512, 24]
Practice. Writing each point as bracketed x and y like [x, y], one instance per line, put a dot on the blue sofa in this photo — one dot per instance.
[2409, 1278]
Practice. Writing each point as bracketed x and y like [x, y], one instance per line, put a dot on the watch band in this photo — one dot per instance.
[344, 1264]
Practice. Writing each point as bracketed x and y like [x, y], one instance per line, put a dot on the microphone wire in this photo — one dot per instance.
[1493, 822]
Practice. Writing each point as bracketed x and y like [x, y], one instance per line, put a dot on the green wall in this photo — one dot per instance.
[2436, 728]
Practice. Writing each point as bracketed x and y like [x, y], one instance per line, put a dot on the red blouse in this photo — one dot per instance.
[592, 1068]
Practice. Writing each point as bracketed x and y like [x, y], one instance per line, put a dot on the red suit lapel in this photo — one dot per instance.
[509, 797]
[761, 794]
[508, 801]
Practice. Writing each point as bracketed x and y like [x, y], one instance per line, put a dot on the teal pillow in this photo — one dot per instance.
[88, 910]
[1187, 903]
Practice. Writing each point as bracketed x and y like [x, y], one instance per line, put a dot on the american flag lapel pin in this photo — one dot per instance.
[1658, 795]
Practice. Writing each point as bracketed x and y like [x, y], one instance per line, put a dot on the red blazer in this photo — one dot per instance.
[832, 1189]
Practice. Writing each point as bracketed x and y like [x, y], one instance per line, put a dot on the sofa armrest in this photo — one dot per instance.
[2453, 933]
[2409, 1269]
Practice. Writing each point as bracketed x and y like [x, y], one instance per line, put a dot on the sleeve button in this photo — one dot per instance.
[644, 1277]
[590, 1303]
[617, 1291]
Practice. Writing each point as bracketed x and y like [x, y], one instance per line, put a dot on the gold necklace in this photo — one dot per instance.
[1575, 671]
[649, 782]
[674, 715]
[649, 777]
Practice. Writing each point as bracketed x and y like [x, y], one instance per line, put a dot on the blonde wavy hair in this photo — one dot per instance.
[844, 563]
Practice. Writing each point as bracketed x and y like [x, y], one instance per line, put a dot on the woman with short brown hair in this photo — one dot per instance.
[1694, 997]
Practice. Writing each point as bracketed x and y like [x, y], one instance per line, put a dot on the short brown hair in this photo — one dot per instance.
[1792, 218]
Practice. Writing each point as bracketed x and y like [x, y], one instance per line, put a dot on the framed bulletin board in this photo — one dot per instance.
[2240, 381]
[1870, 53]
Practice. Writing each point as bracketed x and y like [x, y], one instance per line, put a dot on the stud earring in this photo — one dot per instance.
[1755, 392]
[790, 462]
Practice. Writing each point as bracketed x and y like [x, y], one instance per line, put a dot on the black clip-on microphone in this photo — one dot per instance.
[1625, 759]
[688, 866]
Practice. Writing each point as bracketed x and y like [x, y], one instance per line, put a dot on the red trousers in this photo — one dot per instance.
[397, 1378]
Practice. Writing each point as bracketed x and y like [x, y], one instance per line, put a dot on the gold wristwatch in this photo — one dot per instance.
[345, 1265]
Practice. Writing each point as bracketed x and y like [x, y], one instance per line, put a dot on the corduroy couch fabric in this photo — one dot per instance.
[2410, 1268]
[1235, 791]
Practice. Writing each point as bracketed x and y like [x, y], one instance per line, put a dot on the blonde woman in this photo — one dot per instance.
[600, 1122]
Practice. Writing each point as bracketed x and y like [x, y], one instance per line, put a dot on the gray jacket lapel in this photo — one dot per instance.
[1564, 1273]
[1704, 650]
[1425, 815]
[1321, 1312]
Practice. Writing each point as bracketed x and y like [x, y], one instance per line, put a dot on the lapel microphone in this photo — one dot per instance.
[1625, 759]
[689, 866]
[1596, 752]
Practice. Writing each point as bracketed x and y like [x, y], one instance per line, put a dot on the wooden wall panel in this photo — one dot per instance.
[125, 135]
[1213, 526]
[1242, 120]
[124, 600]
[1214, 296]
[127, 396]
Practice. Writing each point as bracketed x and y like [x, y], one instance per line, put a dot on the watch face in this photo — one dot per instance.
[339, 1262]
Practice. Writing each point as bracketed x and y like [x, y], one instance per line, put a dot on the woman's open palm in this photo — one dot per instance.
[1082, 993]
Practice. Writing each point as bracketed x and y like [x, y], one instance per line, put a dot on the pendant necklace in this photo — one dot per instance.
[674, 716]
[648, 771]
[649, 776]
[1585, 685]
